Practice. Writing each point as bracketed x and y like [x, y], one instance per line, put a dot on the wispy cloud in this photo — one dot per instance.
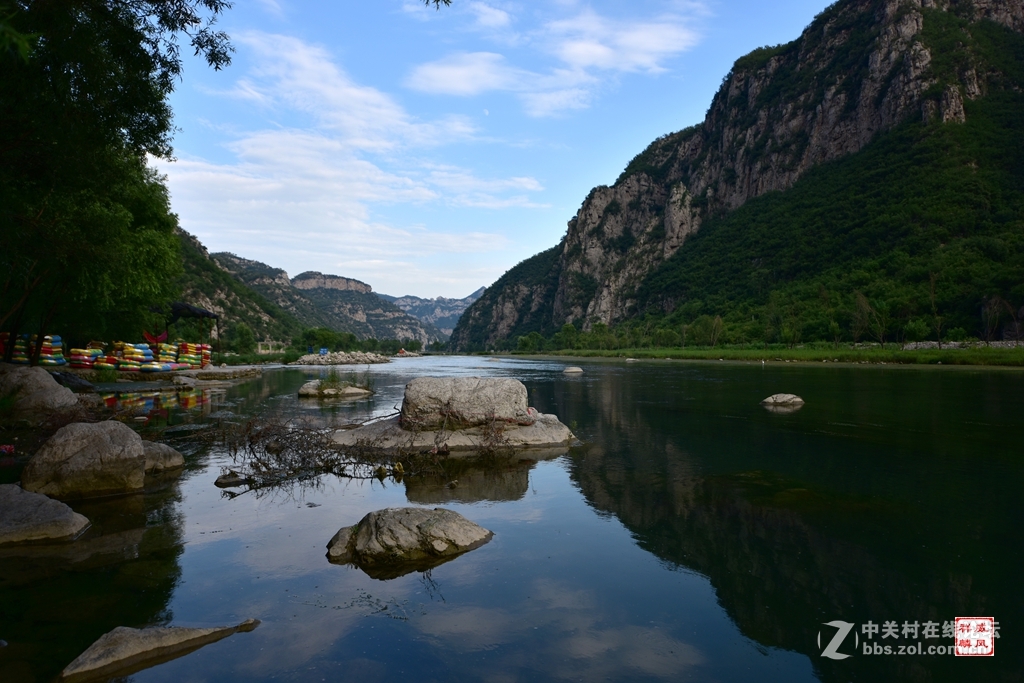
[586, 49]
[488, 16]
[308, 193]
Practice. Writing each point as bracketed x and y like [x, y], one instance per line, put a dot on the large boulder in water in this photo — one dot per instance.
[38, 395]
[395, 541]
[124, 650]
[459, 402]
[83, 460]
[26, 516]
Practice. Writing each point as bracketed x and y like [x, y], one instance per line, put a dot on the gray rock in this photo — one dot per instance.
[126, 650]
[457, 402]
[26, 516]
[184, 381]
[312, 389]
[546, 433]
[161, 457]
[230, 479]
[39, 395]
[575, 370]
[83, 460]
[73, 382]
[395, 541]
[783, 400]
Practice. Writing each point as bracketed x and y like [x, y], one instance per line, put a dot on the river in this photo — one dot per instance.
[694, 535]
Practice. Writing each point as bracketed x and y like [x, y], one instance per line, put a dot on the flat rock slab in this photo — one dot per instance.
[783, 404]
[575, 370]
[457, 402]
[387, 436]
[783, 400]
[125, 650]
[161, 458]
[83, 460]
[26, 517]
[313, 390]
[396, 541]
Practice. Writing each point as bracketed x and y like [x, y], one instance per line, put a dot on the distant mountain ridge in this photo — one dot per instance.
[322, 300]
[442, 312]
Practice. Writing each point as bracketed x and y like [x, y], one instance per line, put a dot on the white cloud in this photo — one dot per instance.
[466, 74]
[588, 49]
[304, 196]
[294, 75]
[488, 16]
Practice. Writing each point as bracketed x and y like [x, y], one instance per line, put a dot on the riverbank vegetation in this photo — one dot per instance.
[705, 343]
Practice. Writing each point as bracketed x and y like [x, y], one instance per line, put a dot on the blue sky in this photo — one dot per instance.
[426, 152]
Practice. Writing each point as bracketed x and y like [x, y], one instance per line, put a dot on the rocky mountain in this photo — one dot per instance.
[337, 303]
[207, 285]
[862, 68]
[443, 313]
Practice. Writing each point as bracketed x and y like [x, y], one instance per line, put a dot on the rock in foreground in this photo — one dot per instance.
[38, 394]
[83, 460]
[459, 402]
[26, 516]
[396, 541]
[466, 415]
[126, 650]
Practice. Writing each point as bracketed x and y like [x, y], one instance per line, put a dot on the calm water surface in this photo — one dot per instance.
[694, 536]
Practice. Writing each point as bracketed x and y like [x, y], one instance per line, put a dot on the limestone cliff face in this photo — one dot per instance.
[312, 280]
[861, 68]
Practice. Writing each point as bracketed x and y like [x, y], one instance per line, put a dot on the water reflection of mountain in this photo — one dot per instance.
[791, 542]
[57, 600]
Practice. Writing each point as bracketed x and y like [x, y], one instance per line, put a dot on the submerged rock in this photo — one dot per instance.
[38, 394]
[27, 516]
[396, 541]
[314, 389]
[230, 479]
[783, 403]
[783, 400]
[161, 457]
[83, 460]
[126, 650]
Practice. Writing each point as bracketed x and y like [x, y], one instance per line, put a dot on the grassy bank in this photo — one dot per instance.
[890, 355]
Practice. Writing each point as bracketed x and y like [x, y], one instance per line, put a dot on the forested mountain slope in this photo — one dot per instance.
[865, 174]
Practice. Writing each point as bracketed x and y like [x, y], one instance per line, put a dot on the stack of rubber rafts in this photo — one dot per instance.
[85, 359]
[50, 353]
[52, 350]
[167, 353]
[196, 355]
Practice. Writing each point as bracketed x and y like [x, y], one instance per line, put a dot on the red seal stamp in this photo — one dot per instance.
[975, 636]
